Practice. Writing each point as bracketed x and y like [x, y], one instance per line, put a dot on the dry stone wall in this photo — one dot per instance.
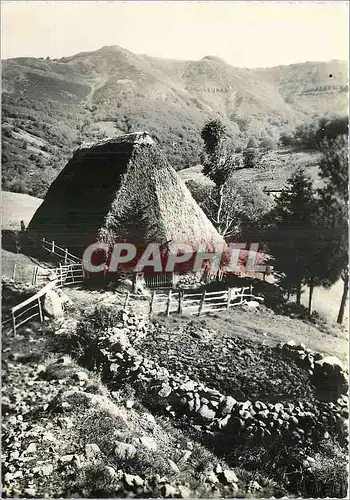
[177, 394]
[326, 372]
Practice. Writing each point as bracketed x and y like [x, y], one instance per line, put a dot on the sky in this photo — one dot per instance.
[245, 34]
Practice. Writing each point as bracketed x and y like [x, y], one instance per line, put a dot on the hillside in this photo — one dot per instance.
[17, 207]
[107, 403]
[51, 106]
[275, 168]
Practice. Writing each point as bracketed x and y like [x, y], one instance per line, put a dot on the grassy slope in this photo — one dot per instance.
[36, 386]
[17, 207]
[58, 422]
[273, 171]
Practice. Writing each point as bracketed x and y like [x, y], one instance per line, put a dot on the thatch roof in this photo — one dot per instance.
[118, 188]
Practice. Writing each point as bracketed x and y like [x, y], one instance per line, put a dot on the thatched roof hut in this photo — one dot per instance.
[120, 188]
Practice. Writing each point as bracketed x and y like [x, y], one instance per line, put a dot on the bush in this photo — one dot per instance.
[251, 158]
[86, 342]
[268, 144]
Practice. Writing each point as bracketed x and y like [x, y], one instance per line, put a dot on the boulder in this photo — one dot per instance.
[330, 377]
[229, 476]
[92, 452]
[173, 466]
[53, 305]
[124, 451]
[251, 305]
[169, 491]
[228, 405]
[131, 480]
[148, 443]
[206, 413]
[165, 391]
[212, 478]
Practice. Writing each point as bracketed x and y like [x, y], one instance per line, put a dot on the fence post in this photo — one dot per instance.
[242, 293]
[83, 272]
[14, 271]
[61, 274]
[35, 275]
[181, 302]
[168, 304]
[152, 303]
[228, 298]
[40, 310]
[53, 247]
[126, 300]
[134, 278]
[201, 303]
[66, 255]
[251, 289]
[14, 323]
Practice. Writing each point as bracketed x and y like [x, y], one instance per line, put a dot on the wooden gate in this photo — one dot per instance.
[159, 280]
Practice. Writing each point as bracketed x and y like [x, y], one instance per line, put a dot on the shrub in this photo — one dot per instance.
[268, 144]
[86, 342]
[251, 158]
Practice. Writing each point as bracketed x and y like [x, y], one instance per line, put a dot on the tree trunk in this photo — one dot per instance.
[221, 196]
[298, 293]
[343, 301]
[311, 289]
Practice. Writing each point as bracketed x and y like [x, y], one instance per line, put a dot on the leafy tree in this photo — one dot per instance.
[330, 129]
[311, 135]
[217, 163]
[243, 206]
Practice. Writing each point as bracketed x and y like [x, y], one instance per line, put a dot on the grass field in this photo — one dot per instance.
[16, 207]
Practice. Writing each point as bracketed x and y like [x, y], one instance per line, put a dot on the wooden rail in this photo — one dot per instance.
[30, 308]
[52, 247]
[70, 274]
[185, 302]
[33, 307]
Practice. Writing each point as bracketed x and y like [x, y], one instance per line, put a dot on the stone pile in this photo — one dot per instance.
[326, 372]
[189, 281]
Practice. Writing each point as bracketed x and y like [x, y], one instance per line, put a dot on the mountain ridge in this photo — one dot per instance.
[52, 106]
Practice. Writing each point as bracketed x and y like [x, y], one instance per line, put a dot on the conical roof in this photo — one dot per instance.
[121, 188]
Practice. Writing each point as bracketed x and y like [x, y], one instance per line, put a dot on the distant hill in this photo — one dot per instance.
[50, 106]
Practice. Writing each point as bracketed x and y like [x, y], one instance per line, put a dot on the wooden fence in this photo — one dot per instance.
[70, 274]
[30, 308]
[161, 280]
[187, 303]
[55, 249]
[33, 307]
